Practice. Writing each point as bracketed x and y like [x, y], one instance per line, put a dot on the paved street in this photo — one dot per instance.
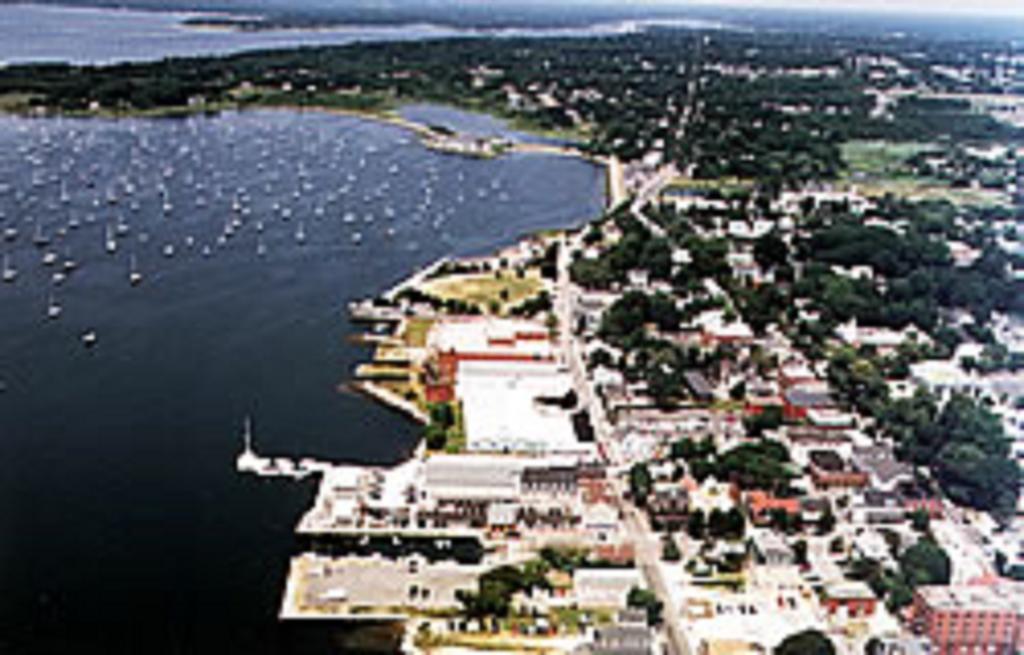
[647, 542]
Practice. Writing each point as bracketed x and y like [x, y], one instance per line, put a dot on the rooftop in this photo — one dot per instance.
[489, 335]
[1007, 597]
[500, 411]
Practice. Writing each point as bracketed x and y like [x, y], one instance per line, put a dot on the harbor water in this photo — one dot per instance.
[124, 527]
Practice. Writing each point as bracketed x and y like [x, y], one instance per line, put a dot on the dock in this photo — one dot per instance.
[248, 462]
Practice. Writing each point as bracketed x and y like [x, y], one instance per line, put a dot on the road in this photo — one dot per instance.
[648, 556]
[647, 542]
[648, 193]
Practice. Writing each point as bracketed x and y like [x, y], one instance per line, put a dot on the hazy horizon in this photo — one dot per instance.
[936, 8]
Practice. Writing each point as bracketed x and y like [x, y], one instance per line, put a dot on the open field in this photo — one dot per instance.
[879, 158]
[876, 169]
[503, 290]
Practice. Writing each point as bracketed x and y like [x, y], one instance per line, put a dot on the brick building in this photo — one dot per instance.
[978, 619]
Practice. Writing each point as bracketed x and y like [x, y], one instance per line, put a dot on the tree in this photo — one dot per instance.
[695, 524]
[435, 436]
[808, 642]
[925, 563]
[669, 549]
[738, 390]
[727, 525]
[770, 250]
[827, 521]
[640, 483]
[648, 601]
[800, 552]
[920, 520]
[441, 414]
[874, 646]
[769, 418]
[964, 444]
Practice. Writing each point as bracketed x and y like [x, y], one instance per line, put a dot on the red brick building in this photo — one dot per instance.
[829, 471]
[854, 598]
[761, 506]
[479, 339]
[978, 619]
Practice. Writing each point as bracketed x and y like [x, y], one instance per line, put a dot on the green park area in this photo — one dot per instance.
[495, 292]
[879, 168]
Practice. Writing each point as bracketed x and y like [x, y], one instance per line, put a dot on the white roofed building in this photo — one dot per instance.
[509, 407]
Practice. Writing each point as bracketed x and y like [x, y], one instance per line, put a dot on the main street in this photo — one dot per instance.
[646, 541]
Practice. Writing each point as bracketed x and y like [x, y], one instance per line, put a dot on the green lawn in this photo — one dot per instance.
[484, 290]
[879, 158]
[877, 168]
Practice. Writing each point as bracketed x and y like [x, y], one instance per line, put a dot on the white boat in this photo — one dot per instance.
[89, 338]
[110, 242]
[49, 258]
[300, 234]
[10, 274]
[169, 250]
[53, 309]
[134, 276]
[10, 233]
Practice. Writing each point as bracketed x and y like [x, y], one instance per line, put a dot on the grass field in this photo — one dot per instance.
[879, 158]
[877, 168]
[487, 291]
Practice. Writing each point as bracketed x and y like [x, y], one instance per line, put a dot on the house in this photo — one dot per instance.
[884, 340]
[623, 639]
[885, 472]
[799, 399]
[712, 495]
[875, 507]
[761, 506]
[668, 506]
[829, 418]
[699, 386]
[851, 598]
[796, 372]
[604, 587]
[828, 470]
[772, 549]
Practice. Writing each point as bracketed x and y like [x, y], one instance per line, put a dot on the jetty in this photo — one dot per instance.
[249, 462]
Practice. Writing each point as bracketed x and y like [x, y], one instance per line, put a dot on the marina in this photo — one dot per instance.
[141, 388]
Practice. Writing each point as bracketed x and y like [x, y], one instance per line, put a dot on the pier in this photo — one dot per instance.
[249, 462]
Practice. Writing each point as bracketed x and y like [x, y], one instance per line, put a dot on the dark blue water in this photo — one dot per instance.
[123, 526]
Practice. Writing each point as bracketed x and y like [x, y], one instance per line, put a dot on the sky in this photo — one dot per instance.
[968, 7]
[976, 7]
